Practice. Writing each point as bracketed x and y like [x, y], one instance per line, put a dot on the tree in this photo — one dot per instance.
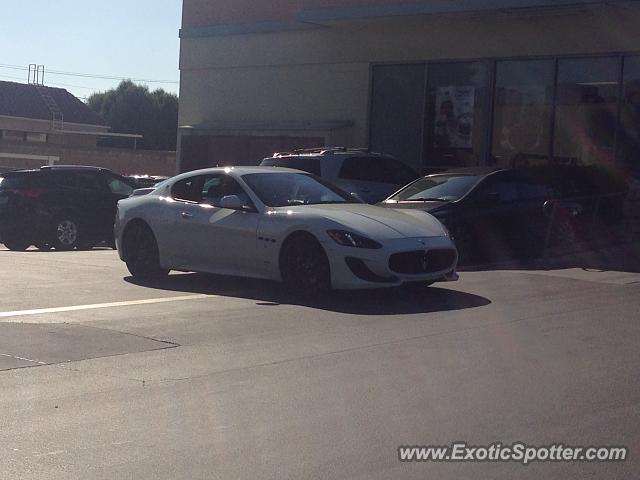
[132, 108]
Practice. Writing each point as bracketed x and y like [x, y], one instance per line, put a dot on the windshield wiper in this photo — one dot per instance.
[424, 199]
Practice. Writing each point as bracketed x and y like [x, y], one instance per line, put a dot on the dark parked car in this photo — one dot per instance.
[63, 207]
[492, 211]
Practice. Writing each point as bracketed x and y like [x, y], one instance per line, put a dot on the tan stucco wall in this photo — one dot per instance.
[322, 74]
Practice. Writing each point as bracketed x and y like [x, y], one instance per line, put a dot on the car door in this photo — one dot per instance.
[494, 213]
[85, 195]
[217, 239]
[534, 213]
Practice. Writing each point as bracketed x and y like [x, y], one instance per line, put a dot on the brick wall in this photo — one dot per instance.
[123, 161]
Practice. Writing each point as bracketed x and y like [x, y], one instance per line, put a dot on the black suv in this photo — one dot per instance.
[62, 207]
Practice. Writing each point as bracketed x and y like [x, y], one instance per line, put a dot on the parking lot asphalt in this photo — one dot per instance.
[207, 377]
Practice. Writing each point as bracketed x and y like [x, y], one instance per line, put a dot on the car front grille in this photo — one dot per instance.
[419, 261]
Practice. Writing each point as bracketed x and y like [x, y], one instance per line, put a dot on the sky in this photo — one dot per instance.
[135, 39]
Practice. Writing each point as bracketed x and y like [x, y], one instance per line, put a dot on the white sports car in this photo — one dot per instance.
[279, 224]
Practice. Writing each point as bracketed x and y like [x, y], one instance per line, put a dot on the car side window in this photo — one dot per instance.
[216, 187]
[89, 181]
[209, 189]
[365, 169]
[529, 190]
[188, 189]
[499, 189]
[397, 172]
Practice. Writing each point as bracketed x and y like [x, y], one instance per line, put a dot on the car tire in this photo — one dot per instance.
[304, 266]
[141, 253]
[16, 243]
[43, 246]
[66, 233]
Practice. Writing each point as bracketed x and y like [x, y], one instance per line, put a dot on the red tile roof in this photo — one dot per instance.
[23, 100]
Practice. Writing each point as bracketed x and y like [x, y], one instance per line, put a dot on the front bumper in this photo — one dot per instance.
[356, 268]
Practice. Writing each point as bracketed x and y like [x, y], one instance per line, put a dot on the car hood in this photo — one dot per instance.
[375, 221]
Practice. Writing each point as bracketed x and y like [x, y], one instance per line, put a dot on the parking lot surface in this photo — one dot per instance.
[207, 377]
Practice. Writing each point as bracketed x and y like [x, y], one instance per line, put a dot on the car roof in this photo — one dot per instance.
[241, 170]
[472, 171]
[75, 167]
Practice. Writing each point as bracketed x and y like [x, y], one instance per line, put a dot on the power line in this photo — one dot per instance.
[52, 84]
[90, 75]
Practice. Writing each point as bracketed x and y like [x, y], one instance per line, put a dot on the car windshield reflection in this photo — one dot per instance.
[437, 188]
[290, 189]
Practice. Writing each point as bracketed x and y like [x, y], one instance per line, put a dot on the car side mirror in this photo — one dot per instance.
[232, 202]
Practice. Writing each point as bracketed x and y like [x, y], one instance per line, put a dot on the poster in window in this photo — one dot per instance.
[454, 117]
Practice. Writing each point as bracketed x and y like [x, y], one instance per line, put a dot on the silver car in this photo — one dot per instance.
[371, 176]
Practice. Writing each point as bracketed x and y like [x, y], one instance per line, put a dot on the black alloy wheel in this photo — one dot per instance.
[304, 266]
[141, 253]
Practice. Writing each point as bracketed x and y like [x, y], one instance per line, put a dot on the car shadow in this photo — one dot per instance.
[388, 301]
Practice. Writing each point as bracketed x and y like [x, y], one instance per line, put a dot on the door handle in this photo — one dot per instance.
[186, 215]
[365, 190]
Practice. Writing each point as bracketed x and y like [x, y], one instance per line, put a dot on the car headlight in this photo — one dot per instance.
[349, 239]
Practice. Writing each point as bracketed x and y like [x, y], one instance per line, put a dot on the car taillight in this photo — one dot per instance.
[29, 192]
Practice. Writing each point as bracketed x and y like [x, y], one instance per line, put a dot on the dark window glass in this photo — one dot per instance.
[529, 190]
[629, 132]
[367, 169]
[306, 164]
[90, 181]
[456, 115]
[522, 112]
[188, 189]
[376, 169]
[502, 188]
[397, 111]
[209, 189]
[216, 187]
[397, 172]
[586, 110]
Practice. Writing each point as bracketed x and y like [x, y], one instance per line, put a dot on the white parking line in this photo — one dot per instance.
[74, 308]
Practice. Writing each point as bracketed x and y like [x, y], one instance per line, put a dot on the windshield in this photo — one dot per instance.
[437, 187]
[286, 189]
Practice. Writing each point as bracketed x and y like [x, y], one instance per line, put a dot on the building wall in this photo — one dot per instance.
[29, 125]
[313, 75]
[123, 161]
